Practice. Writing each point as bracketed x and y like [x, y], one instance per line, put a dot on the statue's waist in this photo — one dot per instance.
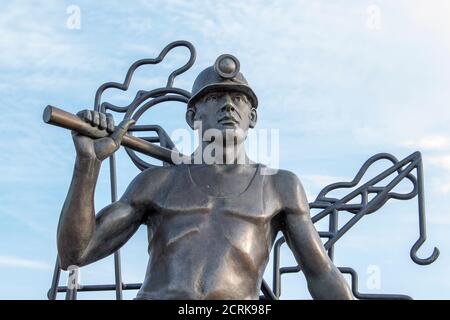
[210, 244]
[213, 270]
[194, 280]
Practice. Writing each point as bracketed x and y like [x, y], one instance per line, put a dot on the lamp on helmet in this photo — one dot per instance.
[223, 76]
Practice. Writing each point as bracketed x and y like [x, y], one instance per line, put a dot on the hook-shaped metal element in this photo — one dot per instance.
[422, 225]
[423, 261]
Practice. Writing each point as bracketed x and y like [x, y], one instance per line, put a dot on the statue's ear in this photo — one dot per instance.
[253, 118]
[190, 117]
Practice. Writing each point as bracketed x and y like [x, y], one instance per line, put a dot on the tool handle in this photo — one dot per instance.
[58, 117]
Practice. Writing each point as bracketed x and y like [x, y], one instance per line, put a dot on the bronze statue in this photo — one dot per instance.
[211, 223]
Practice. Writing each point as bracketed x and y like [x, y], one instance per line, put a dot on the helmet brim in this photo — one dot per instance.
[225, 87]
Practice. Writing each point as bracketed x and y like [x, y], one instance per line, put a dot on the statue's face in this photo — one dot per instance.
[230, 112]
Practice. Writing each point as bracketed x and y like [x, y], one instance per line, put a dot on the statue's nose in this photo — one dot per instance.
[228, 105]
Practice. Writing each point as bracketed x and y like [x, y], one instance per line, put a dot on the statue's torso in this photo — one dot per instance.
[206, 246]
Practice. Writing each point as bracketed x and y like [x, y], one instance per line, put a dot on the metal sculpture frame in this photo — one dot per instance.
[330, 207]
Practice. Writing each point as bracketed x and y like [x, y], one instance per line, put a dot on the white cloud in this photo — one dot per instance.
[442, 220]
[435, 142]
[17, 262]
[322, 180]
[442, 161]
[27, 42]
[432, 16]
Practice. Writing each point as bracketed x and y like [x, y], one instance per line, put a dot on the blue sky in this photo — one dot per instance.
[340, 80]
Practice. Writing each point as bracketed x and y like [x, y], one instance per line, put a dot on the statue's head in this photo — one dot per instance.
[222, 99]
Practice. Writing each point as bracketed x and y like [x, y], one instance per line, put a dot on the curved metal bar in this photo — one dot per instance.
[359, 175]
[187, 66]
[370, 186]
[162, 138]
[373, 205]
[139, 162]
[369, 296]
[154, 94]
[156, 101]
[124, 86]
[423, 261]
[141, 97]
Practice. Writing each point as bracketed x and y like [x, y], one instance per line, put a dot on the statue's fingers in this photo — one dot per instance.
[85, 115]
[102, 121]
[95, 119]
[109, 122]
[121, 129]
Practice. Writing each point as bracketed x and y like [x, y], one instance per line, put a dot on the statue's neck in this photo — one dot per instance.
[221, 153]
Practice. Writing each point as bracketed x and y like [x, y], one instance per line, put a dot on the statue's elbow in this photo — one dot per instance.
[68, 259]
[68, 264]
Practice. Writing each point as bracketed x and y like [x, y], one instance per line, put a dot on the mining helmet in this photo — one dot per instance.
[224, 75]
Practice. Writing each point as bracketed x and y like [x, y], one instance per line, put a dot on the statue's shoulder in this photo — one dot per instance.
[280, 177]
[154, 178]
[159, 173]
[288, 188]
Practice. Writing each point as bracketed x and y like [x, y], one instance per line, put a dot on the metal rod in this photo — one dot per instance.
[276, 267]
[102, 287]
[117, 264]
[268, 294]
[52, 292]
[333, 227]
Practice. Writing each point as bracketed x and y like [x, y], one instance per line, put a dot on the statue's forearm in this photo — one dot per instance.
[330, 286]
[77, 220]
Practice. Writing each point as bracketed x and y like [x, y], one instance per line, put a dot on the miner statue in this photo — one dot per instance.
[213, 219]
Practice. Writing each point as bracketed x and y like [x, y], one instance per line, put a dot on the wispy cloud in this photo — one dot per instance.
[322, 180]
[18, 262]
[442, 161]
[435, 142]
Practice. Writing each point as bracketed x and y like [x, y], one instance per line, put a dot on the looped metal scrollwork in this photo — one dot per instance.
[145, 100]
[372, 197]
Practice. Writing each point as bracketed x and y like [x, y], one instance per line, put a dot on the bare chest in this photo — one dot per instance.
[242, 218]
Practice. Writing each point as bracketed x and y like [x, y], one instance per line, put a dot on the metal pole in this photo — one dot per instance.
[117, 264]
[276, 285]
[333, 227]
[55, 281]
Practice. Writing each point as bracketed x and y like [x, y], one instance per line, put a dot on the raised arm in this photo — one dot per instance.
[323, 278]
[82, 236]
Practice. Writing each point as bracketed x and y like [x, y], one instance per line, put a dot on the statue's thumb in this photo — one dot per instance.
[121, 129]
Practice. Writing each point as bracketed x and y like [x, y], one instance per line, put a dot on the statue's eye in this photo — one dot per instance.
[238, 98]
[211, 98]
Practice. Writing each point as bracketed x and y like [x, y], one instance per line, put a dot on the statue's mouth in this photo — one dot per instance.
[228, 121]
